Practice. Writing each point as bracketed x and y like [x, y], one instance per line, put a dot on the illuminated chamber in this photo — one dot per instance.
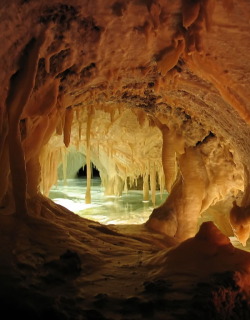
[129, 208]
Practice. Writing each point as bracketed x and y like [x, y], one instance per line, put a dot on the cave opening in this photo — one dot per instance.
[128, 207]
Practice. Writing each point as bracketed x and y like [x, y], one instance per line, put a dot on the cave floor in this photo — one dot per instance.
[57, 265]
[72, 268]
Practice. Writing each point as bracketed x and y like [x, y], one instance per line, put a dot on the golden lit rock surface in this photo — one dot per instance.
[144, 89]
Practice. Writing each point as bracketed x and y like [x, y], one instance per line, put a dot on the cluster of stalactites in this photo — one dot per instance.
[117, 141]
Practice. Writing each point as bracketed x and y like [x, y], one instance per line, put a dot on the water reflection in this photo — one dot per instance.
[127, 209]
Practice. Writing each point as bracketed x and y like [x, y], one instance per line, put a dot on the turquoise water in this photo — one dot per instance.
[126, 209]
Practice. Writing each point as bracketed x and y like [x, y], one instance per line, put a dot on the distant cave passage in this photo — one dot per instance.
[82, 172]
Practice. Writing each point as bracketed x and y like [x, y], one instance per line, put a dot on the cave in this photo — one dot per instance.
[154, 94]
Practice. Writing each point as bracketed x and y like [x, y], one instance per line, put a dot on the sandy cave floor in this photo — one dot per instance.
[60, 266]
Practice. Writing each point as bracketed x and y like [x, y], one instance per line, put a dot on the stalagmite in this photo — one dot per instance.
[180, 212]
[164, 218]
[168, 157]
[195, 180]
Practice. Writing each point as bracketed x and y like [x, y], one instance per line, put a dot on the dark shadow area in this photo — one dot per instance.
[82, 172]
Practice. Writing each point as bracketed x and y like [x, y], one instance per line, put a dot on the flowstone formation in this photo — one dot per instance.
[148, 90]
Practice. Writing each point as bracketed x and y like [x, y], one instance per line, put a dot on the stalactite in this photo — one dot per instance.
[171, 57]
[141, 117]
[69, 115]
[112, 115]
[125, 184]
[153, 183]
[88, 162]
[60, 124]
[135, 181]
[78, 120]
[145, 187]
[190, 12]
